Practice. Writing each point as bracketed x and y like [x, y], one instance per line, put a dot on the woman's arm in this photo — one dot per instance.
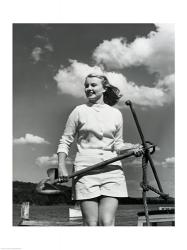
[66, 141]
[119, 144]
[122, 147]
[62, 170]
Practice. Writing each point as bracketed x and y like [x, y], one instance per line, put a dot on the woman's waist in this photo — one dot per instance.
[115, 169]
[94, 152]
[91, 157]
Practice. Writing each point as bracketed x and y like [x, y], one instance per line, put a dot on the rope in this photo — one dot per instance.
[146, 188]
[146, 208]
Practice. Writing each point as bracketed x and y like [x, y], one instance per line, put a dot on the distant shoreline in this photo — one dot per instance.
[26, 191]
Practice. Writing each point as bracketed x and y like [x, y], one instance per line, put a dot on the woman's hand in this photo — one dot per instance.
[62, 170]
[62, 179]
[138, 150]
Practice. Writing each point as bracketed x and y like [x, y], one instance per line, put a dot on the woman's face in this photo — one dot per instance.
[94, 89]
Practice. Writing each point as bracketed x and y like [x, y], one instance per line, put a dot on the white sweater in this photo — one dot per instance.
[99, 130]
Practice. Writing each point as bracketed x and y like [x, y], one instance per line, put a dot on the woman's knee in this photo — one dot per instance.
[89, 210]
[106, 221]
[107, 210]
[90, 223]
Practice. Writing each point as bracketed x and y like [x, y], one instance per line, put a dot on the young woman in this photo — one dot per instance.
[99, 130]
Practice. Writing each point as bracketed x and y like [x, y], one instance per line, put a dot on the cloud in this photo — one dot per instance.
[30, 139]
[42, 48]
[161, 93]
[168, 162]
[46, 161]
[156, 51]
[70, 80]
[43, 42]
[36, 54]
[49, 47]
[167, 85]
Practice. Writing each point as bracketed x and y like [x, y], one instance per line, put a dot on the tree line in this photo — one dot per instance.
[26, 191]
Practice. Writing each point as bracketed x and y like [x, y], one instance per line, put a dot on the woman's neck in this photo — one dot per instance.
[99, 101]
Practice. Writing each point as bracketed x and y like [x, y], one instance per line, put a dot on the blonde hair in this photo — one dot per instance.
[112, 94]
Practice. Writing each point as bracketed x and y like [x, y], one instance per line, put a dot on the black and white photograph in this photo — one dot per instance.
[93, 124]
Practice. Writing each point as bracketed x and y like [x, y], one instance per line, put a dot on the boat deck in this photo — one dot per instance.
[127, 215]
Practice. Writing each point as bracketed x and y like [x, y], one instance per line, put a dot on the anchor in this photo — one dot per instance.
[53, 181]
[145, 160]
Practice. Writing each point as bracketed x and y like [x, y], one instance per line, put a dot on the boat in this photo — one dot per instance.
[165, 208]
[75, 218]
[161, 217]
[75, 213]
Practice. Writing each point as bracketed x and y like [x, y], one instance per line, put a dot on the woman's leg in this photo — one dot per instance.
[107, 210]
[89, 210]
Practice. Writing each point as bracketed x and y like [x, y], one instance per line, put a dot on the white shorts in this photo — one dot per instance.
[108, 183]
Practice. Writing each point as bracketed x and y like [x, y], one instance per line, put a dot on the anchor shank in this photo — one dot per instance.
[154, 171]
[129, 103]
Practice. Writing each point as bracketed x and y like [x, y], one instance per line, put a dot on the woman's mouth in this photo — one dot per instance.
[89, 93]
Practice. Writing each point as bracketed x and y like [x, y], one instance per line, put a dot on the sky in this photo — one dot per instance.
[50, 62]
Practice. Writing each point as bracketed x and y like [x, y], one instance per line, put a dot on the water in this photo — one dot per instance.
[126, 214]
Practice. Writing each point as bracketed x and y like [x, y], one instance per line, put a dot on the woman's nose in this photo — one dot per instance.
[89, 88]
